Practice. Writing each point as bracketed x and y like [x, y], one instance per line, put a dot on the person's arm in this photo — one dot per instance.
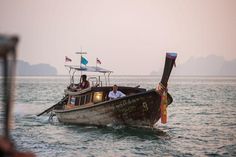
[78, 86]
[121, 94]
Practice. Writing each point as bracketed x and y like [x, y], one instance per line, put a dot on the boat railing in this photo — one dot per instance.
[76, 91]
[94, 81]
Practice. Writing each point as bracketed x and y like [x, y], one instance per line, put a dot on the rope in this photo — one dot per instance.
[161, 89]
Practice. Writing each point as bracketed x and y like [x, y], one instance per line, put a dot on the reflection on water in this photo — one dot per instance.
[201, 121]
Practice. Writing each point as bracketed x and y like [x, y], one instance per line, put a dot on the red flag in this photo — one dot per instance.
[67, 59]
[98, 61]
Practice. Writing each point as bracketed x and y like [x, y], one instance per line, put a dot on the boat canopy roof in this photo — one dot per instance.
[88, 68]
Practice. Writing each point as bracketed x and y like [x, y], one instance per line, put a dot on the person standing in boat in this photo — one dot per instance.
[83, 83]
[115, 93]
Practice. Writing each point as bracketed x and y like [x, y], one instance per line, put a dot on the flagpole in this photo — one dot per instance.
[96, 63]
[80, 66]
[80, 53]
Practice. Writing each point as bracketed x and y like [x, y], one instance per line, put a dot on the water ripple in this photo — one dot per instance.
[201, 121]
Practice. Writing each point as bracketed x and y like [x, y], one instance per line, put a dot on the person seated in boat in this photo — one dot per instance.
[83, 83]
[115, 93]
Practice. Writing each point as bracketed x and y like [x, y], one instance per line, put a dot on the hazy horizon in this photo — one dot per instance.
[216, 66]
[129, 37]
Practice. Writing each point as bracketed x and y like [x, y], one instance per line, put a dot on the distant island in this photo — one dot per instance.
[208, 66]
[26, 69]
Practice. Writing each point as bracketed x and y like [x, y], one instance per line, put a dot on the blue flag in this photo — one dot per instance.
[84, 60]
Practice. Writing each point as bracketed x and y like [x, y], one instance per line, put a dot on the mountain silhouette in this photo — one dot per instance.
[25, 69]
[208, 66]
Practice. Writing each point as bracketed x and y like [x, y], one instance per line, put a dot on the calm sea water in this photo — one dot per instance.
[201, 121]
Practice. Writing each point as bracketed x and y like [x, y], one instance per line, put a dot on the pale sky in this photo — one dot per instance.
[128, 36]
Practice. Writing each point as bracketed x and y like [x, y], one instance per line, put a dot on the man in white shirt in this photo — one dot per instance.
[115, 93]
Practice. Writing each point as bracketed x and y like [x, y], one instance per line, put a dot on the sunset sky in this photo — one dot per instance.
[128, 36]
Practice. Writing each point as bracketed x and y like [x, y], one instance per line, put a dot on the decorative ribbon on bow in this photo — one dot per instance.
[163, 92]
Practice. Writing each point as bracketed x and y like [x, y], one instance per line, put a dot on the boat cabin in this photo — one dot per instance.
[98, 90]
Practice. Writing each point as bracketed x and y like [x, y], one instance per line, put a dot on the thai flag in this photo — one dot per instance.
[98, 61]
[67, 59]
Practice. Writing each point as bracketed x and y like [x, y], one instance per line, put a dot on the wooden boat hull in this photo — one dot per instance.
[142, 109]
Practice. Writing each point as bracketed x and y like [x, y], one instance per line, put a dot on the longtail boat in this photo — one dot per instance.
[91, 106]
